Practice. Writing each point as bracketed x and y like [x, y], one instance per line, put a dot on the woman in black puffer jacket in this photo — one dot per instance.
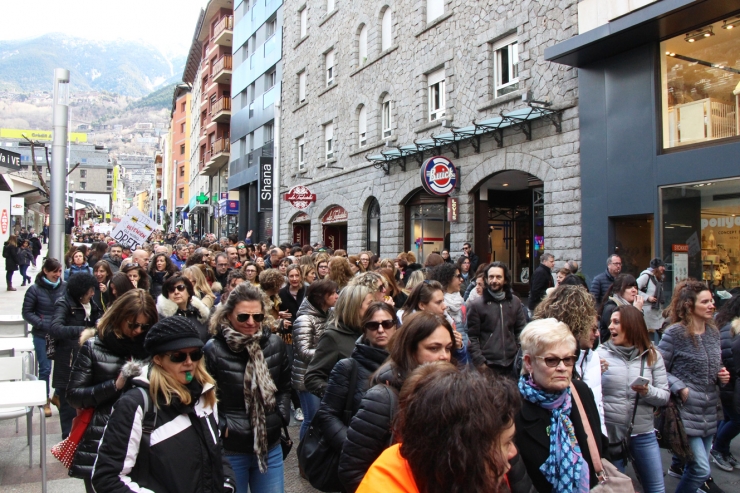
[73, 313]
[38, 311]
[96, 379]
[728, 320]
[378, 325]
[244, 355]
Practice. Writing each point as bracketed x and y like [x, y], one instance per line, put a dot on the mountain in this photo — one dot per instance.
[161, 98]
[127, 68]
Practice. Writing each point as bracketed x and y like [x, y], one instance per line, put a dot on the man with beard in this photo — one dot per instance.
[114, 257]
[495, 321]
[222, 268]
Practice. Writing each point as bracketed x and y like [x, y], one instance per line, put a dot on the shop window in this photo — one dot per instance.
[427, 227]
[700, 226]
[700, 84]
[386, 30]
[329, 59]
[363, 45]
[304, 21]
[505, 65]
[435, 8]
[436, 83]
[302, 154]
[373, 227]
[386, 112]
[329, 140]
[362, 126]
[302, 87]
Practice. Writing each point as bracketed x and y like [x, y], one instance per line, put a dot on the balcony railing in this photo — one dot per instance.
[222, 64]
[223, 104]
[219, 146]
[225, 24]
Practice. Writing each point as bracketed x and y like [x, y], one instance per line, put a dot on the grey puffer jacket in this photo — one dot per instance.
[307, 329]
[619, 398]
[693, 363]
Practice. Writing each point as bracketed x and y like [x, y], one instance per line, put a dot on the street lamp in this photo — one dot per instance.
[58, 164]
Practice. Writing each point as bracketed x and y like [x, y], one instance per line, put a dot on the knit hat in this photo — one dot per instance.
[656, 262]
[171, 334]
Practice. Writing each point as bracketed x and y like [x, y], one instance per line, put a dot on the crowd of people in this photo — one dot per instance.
[432, 377]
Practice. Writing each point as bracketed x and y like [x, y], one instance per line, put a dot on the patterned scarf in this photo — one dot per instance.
[565, 467]
[259, 389]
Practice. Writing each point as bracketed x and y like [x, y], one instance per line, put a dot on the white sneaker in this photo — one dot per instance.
[299, 414]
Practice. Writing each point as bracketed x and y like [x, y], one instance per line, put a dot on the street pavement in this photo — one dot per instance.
[16, 477]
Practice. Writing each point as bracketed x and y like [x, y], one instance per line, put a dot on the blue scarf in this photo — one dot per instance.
[565, 467]
[49, 283]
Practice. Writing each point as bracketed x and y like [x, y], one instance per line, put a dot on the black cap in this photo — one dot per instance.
[656, 262]
[172, 334]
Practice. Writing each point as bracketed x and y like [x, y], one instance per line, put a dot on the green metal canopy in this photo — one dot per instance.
[520, 119]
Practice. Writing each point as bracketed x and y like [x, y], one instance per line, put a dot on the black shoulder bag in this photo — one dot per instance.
[621, 449]
[318, 461]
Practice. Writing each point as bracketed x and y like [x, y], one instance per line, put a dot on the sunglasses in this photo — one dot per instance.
[181, 287]
[387, 325]
[242, 248]
[554, 362]
[181, 356]
[243, 317]
[134, 326]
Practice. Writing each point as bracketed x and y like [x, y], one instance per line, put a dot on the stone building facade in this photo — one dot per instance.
[341, 68]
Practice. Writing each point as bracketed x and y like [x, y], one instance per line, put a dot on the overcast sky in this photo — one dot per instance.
[167, 24]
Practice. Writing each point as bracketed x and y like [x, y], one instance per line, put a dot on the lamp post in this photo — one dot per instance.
[58, 164]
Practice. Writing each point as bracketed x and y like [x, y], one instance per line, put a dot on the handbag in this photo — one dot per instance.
[609, 477]
[670, 431]
[621, 449]
[317, 459]
[65, 450]
[50, 347]
[285, 442]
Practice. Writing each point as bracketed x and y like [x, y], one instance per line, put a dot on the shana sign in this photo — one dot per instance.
[264, 202]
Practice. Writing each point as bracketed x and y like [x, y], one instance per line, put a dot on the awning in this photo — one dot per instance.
[33, 196]
[520, 119]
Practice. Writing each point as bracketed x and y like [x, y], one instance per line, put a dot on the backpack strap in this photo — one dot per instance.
[147, 426]
[351, 394]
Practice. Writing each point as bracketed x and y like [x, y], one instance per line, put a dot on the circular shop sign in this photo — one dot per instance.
[438, 175]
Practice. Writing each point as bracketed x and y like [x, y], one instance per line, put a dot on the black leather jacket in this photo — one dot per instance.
[227, 368]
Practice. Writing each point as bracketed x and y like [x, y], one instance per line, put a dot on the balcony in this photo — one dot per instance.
[223, 33]
[221, 110]
[216, 157]
[221, 70]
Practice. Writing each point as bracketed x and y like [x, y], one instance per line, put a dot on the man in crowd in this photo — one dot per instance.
[222, 268]
[114, 257]
[232, 255]
[495, 321]
[541, 280]
[297, 252]
[601, 283]
[468, 252]
[141, 257]
[276, 255]
[180, 255]
[236, 277]
[650, 286]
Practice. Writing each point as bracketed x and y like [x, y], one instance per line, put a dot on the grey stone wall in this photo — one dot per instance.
[461, 42]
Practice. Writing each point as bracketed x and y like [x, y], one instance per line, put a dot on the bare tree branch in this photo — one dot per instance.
[35, 167]
[73, 168]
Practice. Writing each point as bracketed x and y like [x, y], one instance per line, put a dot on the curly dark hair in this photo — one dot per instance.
[169, 268]
[572, 305]
[444, 273]
[728, 312]
[684, 301]
[79, 284]
[449, 446]
[143, 276]
[271, 280]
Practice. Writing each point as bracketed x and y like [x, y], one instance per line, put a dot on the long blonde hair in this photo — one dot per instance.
[201, 285]
[161, 382]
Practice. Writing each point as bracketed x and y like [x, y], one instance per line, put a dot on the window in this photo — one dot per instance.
[302, 87]
[435, 8]
[181, 193]
[182, 107]
[436, 82]
[386, 27]
[269, 132]
[83, 185]
[362, 126]
[330, 67]
[182, 149]
[304, 22]
[699, 84]
[270, 79]
[251, 142]
[329, 139]
[271, 27]
[329, 6]
[363, 45]
[108, 183]
[83, 173]
[182, 170]
[506, 65]
[373, 226]
[301, 154]
[386, 109]
[182, 128]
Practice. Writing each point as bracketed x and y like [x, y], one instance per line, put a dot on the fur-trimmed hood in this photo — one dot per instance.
[168, 308]
[736, 326]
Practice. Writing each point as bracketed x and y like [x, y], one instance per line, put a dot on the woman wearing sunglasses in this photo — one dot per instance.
[550, 432]
[378, 326]
[178, 300]
[97, 380]
[180, 396]
[252, 374]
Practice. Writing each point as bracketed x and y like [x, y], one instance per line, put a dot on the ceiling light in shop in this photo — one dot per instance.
[504, 184]
[699, 34]
[731, 23]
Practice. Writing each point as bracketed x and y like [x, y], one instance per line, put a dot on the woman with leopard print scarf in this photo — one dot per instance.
[252, 373]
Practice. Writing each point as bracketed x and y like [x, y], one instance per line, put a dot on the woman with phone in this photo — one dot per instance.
[633, 385]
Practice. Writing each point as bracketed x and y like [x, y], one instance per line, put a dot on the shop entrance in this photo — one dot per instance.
[509, 224]
[427, 230]
[634, 242]
[302, 229]
[334, 223]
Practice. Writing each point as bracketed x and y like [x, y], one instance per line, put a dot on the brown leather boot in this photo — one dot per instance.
[11, 288]
[55, 400]
[47, 409]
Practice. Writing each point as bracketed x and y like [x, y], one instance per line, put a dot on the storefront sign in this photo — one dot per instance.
[300, 197]
[302, 218]
[228, 207]
[16, 206]
[4, 221]
[438, 175]
[223, 195]
[679, 248]
[336, 214]
[264, 202]
[10, 159]
[452, 209]
[134, 228]
[680, 265]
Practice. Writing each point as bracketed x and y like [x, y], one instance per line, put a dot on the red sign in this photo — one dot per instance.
[452, 209]
[300, 197]
[438, 175]
[336, 214]
[679, 248]
[302, 218]
[4, 221]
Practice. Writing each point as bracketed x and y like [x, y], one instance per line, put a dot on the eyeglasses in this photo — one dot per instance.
[243, 317]
[181, 287]
[254, 271]
[554, 362]
[181, 356]
[466, 248]
[373, 326]
[134, 326]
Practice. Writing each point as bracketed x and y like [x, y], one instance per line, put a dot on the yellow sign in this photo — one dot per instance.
[115, 183]
[13, 133]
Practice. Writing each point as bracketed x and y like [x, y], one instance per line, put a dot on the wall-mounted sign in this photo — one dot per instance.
[336, 214]
[679, 248]
[264, 201]
[302, 218]
[452, 209]
[300, 197]
[438, 175]
[17, 205]
[10, 159]
[4, 221]
[228, 207]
